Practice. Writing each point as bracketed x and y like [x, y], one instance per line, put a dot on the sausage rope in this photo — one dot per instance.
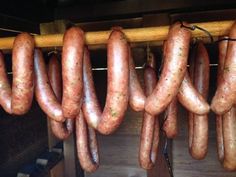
[116, 104]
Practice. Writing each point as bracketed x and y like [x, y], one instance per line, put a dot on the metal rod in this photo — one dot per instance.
[135, 35]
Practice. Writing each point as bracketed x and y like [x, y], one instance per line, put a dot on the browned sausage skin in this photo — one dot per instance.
[72, 65]
[43, 90]
[61, 130]
[225, 95]
[189, 97]
[170, 125]
[5, 88]
[108, 121]
[86, 143]
[223, 45]
[136, 94]
[229, 138]
[199, 144]
[174, 67]
[149, 139]
[150, 126]
[23, 74]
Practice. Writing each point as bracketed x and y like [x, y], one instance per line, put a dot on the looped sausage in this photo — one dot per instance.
[175, 64]
[225, 95]
[150, 126]
[43, 91]
[223, 45]
[61, 130]
[23, 74]
[136, 94]
[170, 125]
[199, 140]
[5, 88]
[72, 65]
[116, 104]
[189, 97]
[86, 142]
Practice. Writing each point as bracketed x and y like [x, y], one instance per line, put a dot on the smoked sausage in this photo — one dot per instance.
[198, 147]
[229, 138]
[72, 65]
[136, 94]
[174, 67]
[116, 104]
[86, 143]
[61, 130]
[43, 90]
[225, 95]
[149, 139]
[5, 88]
[23, 74]
[219, 127]
[170, 125]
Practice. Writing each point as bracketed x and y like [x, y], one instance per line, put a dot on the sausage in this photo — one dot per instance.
[87, 151]
[91, 107]
[219, 127]
[150, 126]
[190, 114]
[23, 74]
[43, 90]
[170, 125]
[199, 144]
[225, 95]
[136, 94]
[61, 130]
[229, 138]
[174, 67]
[5, 88]
[190, 98]
[72, 65]
[116, 104]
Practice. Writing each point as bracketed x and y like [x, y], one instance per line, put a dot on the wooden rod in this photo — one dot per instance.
[147, 34]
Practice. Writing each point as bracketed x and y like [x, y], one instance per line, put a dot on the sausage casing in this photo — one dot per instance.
[136, 94]
[43, 90]
[61, 130]
[86, 142]
[150, 126]
[23, 74]
[5, 88]
[72, 70]
[225, 95]
[174, 67]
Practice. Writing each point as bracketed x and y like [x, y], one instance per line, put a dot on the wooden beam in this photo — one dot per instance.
[148, 34]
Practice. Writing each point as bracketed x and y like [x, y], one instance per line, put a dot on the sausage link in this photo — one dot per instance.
[5, 88]
[87, 151]
[199, 144]
[61, 130]
[174, 67]
[150, 126]
[170, 125]
[91, 107]
[223, 45]
[190, 98]
[72, 65]
[190, 114]
[136, 94]
[43, 90]
[229, 138]
[225, 95]
[23, 74]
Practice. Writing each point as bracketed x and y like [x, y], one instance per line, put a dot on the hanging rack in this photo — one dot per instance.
[135, 35]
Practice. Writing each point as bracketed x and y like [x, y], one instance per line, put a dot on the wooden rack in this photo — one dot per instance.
[147, 34]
